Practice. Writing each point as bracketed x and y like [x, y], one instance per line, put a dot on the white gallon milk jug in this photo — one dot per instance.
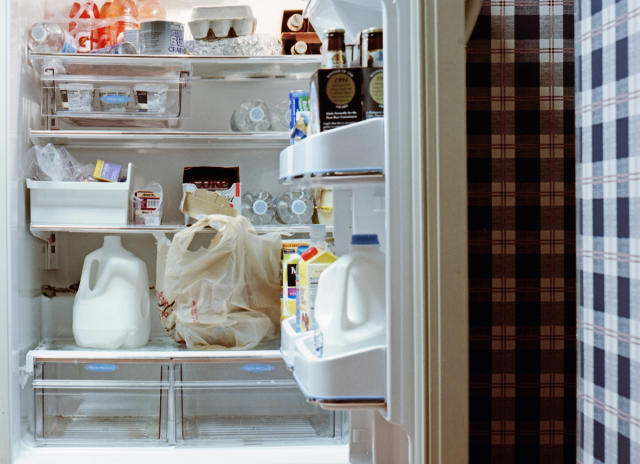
[350, 304]
[111, 308]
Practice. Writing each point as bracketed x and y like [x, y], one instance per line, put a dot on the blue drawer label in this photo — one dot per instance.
[257, 368]
[101, 367]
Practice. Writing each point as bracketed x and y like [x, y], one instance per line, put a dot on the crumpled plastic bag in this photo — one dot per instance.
[53, 163]
[224, 296]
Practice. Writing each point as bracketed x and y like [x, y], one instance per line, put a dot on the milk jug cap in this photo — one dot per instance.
[310, 253]
[364, 239]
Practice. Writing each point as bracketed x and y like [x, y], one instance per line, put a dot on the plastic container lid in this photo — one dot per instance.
[364, 239]
[310, 253]
[301, 249]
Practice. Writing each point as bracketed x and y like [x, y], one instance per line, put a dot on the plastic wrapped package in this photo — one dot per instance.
[57, 164]
[224, 296]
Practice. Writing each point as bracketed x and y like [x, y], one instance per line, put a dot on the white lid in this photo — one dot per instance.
[256, 114]
[299, 207]
[39, 33]
[260, 207]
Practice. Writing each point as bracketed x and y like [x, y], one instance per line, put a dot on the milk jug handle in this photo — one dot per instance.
[86, 276]
[345, 322]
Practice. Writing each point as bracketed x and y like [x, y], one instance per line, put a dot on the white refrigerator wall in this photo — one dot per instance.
[24, 279]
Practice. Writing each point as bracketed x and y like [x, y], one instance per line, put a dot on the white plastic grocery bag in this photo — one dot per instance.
[223, 296]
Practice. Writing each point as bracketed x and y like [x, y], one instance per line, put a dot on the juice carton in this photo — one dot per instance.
[313, 262]
[291, 251]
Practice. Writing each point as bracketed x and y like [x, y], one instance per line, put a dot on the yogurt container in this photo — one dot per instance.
[114, 99]
[151, 98]
[76, 97]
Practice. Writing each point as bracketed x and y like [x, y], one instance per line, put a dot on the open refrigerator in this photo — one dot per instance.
[163, 404]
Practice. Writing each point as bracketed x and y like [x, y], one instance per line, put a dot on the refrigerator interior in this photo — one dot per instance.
[155, 404]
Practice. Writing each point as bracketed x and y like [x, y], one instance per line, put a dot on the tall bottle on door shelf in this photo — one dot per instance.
[151, 9]
[126, 12]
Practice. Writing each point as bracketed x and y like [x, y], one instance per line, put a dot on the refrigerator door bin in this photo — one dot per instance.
[104, 203]
[358, 376]
[248, 403]
[289, 339]
[356, 149]
[100, 404]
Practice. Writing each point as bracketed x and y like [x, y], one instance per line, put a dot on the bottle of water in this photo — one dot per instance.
[251, 116]
[281, 117]
[49, 37]
[294, 207]
[259, 208]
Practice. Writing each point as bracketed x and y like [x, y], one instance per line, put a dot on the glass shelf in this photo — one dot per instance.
[162, 349]
[43, 229]
[160, 139]
[336, 180]
[199, 67]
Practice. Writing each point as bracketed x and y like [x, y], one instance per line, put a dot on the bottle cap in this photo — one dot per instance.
[364, 239]
[39, 33]
[310, 253]
[301, 249]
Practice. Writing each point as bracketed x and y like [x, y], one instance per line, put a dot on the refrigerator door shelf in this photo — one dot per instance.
[353, 377]
[354, 152]
[289, 339]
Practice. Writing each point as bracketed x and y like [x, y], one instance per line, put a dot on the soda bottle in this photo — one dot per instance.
[126, 14]
[49, 37]
[151, 9]
[102, 31]
[82, 30]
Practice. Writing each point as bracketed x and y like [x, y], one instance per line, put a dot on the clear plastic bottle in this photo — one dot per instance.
[127, 13]
[281, 117]
[294, 207]
[251, 116]
[259, 208]
[49, 37]
[151, 9]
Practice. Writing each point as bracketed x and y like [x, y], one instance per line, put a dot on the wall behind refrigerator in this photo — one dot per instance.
[522, 233]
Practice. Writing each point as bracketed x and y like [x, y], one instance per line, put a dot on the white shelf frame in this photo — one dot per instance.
[232, 68]
[160, 139]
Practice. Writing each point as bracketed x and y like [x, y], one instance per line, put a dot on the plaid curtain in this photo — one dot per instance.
[608, 247]
[521, 174]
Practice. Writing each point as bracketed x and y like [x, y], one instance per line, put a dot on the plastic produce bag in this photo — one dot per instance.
[224, 296]
[57, 164]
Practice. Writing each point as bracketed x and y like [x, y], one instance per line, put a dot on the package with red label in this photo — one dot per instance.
[224, 181]
[147, 205]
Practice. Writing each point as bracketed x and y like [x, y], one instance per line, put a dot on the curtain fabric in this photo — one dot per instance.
[608, 246]
[521, 174]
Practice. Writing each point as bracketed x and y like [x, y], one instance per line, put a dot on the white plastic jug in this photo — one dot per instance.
[111, 308]
[350, 304]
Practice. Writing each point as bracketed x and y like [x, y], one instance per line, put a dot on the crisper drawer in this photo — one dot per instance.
[101, 403]
[248, 403]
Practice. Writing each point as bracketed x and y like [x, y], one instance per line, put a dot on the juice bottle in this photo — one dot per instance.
[102, 31]
[125, 13]
[151, 9]
[82, 30]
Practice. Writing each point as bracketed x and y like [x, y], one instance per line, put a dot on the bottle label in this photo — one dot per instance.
[68, 48]
[335, 59]
[83, 41]
[375, 58]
